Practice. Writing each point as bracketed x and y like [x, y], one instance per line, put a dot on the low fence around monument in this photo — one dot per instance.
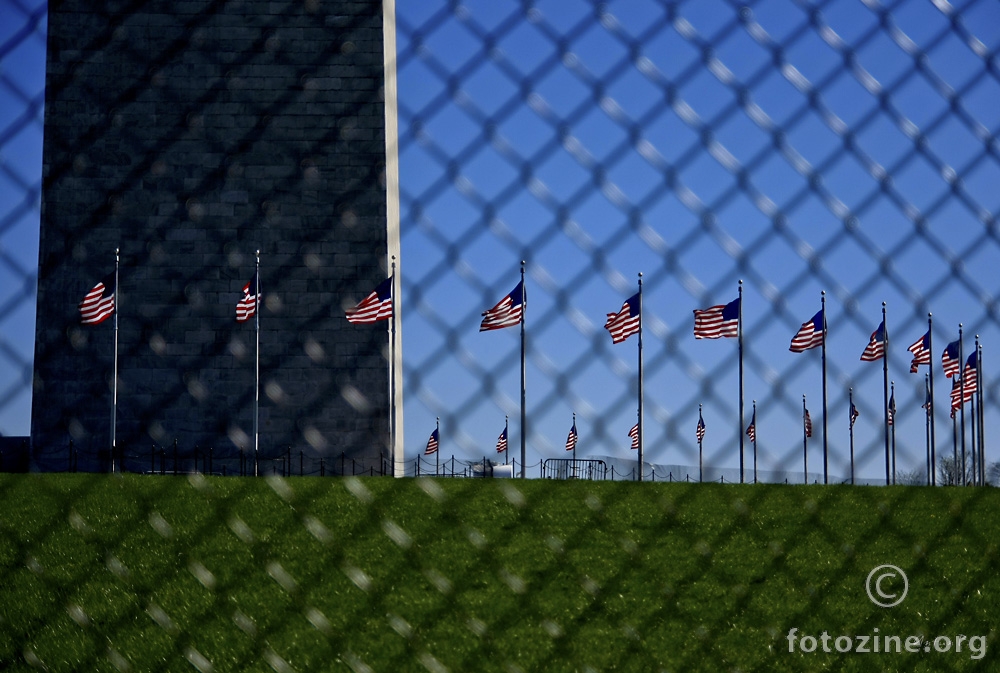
[17, 455]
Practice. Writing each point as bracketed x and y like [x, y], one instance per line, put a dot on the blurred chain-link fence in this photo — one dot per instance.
[800, 147]
[845, 147]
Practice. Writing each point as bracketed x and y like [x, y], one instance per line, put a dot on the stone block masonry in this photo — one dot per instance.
[190, 134]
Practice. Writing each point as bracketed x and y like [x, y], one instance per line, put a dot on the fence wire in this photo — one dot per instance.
[797, 147]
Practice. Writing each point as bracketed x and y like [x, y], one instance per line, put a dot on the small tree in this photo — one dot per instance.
[911, 478]
[950, 472]
[993, 474]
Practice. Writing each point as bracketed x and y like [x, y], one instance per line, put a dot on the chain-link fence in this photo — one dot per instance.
[771, 149]
[799, 147]
[838, 147]
[22, 98]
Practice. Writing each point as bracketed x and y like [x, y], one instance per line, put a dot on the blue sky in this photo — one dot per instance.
[698, 145]
[840, 146]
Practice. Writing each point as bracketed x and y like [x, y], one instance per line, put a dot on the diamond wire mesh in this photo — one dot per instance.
[797, 146]
[22, 67]
[836, 146]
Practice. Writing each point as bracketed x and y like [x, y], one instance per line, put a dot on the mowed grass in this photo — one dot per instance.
[148, 573]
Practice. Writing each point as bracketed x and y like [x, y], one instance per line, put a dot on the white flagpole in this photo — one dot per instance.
[740, 339]
[114, 381]
[885, 392]
[805, 444]
[506, 434]
[524, 414]
[701, 454]
[850, 412]
[640, 376]
[930, 346]
[392, 373]
[256, 378]
[961, 399]
[826, 450]
[892, 430]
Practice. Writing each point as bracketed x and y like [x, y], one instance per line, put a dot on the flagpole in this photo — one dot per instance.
[114, 381]
[961, 398]
[982, 420]
[954, 447]
[927, 423]
[826, 453]
[850, 412]
[755, 444]
[893, 429]
[805, 445]
[437, 454]
[976, 406]
[524, 415]
[975, 439]
[392, 373]
[640, 376]
[885, 390]
[576, 438]
[256, 376]
[506, 444]
[930, 347]
[740, 333]
[701, 472]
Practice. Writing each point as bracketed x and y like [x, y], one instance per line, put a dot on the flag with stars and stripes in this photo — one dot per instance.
[717, 321]
[571, 438]
[875, 350]
[432, 443]
[99, 304]
[375, 307]
[626, 322]
[508, 312]
[810, 335]
[247, 306]
[502, 441]
[949, 359]
[921, 352]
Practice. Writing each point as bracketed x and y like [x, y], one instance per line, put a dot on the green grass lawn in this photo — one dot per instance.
[147, 573]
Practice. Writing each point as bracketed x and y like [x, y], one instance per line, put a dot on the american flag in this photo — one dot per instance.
[432, 443]
[921, 352]
[971, 376]
[854, 414]
[247, 306]
[507, 313]
[571, 438]
[700, 431]
[956, 391]
[752, 428]
[927, 398]
[626, 322]
[376, 306]
[807, 420]
[502, 441]
[810, 335]
[876, 345]
[718, 321]
[892, 408]
[634, 434]
[949, 359]
[99, 303]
